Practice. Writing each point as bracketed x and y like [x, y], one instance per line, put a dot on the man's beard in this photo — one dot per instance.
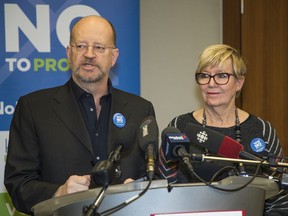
[94, 79]
[90, 79]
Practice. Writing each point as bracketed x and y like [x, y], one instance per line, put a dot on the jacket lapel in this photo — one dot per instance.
[68, 111]
[118, 105]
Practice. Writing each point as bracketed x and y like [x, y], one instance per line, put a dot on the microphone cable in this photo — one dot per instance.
[127, 202]
[221, 170]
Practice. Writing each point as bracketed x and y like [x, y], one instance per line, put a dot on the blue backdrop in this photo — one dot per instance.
[33, 38]
[34, 45]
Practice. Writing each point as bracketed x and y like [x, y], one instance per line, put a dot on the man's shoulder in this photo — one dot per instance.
[127, 95]
[46, 91]
[43, 97]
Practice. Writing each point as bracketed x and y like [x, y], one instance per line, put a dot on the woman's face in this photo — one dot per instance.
[216, 95]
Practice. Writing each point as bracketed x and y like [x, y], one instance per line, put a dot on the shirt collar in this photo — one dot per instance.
[78, 91]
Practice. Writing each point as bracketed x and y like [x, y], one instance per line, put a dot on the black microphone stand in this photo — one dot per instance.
[102, 174]
[92, 209]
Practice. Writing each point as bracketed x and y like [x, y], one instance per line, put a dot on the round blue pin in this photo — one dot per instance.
[119, 120]
[257, 145]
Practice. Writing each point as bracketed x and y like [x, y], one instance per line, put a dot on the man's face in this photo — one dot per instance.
[91, 52]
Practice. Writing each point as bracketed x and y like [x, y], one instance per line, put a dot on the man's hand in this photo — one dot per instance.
[128, 180]
[74, 184]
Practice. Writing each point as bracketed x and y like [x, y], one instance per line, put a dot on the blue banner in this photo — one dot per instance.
[34, 35]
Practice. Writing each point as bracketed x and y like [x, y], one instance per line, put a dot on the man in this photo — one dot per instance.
[57, 135]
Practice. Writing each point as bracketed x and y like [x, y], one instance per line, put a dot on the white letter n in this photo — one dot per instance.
[15, 19]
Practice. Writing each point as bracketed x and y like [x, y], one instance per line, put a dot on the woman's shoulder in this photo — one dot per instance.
[182, 120]
[257, 126]
[256, 120]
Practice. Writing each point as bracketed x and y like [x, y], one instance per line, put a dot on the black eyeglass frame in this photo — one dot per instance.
[213, 76]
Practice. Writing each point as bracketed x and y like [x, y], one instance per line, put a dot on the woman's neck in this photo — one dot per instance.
[219, 117]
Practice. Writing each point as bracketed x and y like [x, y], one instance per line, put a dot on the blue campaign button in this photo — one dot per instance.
[257, 145]
[119, 120]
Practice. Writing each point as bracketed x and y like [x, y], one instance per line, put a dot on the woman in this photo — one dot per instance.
[220, 75]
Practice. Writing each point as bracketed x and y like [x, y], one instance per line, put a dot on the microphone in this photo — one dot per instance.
[125, 137]
[217, 143]
[105, 172]
[148, 141]
[174, 143]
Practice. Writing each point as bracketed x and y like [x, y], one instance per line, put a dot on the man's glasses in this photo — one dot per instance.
[81, 48]
[219, 78]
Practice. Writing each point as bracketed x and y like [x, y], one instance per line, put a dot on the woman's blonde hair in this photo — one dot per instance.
[216, 55]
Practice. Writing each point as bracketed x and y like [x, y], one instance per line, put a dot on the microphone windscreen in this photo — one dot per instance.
[172, 141]
[148, 133]
[126, 136]
[215, 142]
[230, 148]
[169, 130]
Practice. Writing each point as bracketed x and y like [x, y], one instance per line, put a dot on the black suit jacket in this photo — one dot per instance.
[49, 142]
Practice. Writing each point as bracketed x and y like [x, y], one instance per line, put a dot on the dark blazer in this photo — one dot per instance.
[49, 142]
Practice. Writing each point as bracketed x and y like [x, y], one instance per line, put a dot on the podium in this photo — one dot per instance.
[158, 199]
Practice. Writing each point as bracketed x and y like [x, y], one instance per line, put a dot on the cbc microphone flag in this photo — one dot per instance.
[34, 35]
